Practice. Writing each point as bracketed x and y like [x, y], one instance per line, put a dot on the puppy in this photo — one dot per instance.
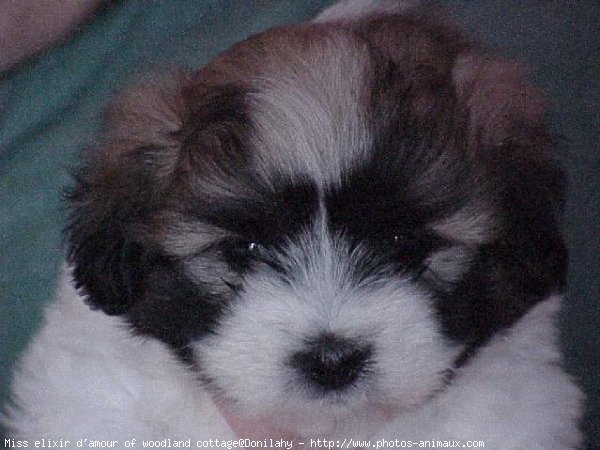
[341, 229]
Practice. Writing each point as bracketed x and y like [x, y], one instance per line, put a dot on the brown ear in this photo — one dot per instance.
[144, 117]
[506, 126]
[498, 100]
[161, 138]
[117, 188]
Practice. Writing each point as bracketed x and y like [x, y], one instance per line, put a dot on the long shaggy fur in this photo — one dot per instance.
[341, 229]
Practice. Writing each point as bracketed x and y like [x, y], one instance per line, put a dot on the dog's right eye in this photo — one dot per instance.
[239, 253]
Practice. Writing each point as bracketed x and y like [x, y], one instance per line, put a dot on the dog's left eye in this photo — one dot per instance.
[412, 248]
[398, 240]
[404, 242]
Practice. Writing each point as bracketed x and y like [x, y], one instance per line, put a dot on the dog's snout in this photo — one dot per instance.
[332, 363]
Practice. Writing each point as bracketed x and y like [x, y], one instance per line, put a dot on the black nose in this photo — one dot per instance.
[332, 363]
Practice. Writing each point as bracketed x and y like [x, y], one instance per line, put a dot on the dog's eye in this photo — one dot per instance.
[252, 247]
[398, 240]
[240, 253]
[412, 248]
[403, 242]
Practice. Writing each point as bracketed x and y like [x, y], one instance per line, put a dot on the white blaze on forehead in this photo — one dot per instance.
[308, 115]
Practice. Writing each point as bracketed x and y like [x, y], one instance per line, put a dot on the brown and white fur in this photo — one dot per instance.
[340, 229]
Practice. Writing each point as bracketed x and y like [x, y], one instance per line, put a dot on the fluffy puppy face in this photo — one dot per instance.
[325, 219]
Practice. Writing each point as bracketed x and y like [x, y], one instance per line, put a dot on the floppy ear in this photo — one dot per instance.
[506, 132]
[500, 104]
[506, 117]
[118, 188]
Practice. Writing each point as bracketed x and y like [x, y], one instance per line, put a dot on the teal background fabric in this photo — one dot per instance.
[51, 107]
